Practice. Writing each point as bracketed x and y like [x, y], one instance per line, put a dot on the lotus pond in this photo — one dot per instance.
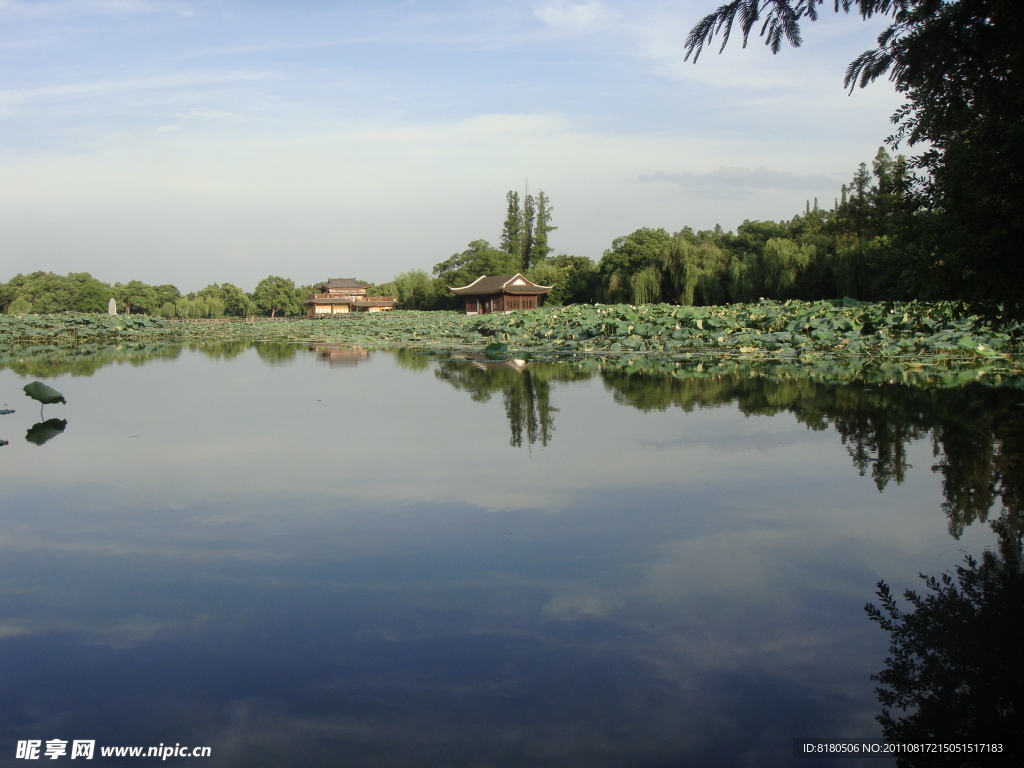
[316, 553]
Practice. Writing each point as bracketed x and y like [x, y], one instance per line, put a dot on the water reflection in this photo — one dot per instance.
[4, 412]
[977, 431]
[671, 585]
[223, 350]
[273, 353]
[85, 359]
[954, 673]
[975, 423]
[525, 388]
[45, 431]
[339, 355]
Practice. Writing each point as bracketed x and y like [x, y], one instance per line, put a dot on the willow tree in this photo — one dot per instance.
[848, 264]
[695, 271]
[645, 286]
[629, 255]
[783, 260]
[746, 279]
[616, 288]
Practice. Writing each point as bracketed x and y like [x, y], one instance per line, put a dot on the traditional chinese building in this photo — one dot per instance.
[500, 293]
[340, 295]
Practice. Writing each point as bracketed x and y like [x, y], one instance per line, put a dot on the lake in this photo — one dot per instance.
[325, 556]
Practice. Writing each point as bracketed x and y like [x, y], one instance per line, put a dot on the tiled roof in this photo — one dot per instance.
[360, 300]
[344, 282]
[494, 284]
[332, 300]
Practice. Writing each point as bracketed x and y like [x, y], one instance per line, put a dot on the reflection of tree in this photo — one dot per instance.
[954, 670]
[528, 407]
[526, 389]
[410, 359]
[977, 431]
[222, 350]
[82, 360]
[276, 353]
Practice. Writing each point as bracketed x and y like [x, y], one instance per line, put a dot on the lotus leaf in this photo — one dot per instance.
[44, 393]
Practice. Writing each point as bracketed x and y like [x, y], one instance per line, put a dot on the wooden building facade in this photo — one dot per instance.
[500, 293]
[341, 295]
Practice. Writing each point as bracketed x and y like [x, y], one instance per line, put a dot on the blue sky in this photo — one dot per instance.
[221, 141]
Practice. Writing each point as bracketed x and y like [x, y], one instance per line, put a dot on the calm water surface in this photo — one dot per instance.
[328, 557]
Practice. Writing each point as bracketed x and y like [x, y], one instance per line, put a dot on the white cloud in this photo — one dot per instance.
[75, 8]
[574, 17]
[13, 97]
[730, 183]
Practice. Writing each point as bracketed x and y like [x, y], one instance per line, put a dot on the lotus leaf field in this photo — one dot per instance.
[842, 334]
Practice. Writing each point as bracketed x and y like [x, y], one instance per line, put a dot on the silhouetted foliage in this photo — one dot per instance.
[953, 674]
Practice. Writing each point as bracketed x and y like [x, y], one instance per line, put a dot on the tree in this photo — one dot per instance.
[236, 301]
[628, 256]
[784, 260]
[525, 233]
[47, 292]
[20, 306]
[961, 67]
[480, 258]
[541, 228]
[44, 291]
[138, 296]
[275, 294]
[529, 220]
[694, 271]
[414, 290]
[573, 279]
[164, 293]
[512, 232]
[230, 299]
[89, 294]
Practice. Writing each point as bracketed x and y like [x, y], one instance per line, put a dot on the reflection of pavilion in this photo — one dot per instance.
[485, 363]
[339, 355]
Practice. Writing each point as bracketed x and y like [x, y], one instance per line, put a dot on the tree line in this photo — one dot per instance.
[46, 292]
[863, 247]
[875, 243]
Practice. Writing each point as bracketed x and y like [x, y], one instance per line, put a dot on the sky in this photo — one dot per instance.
[200, 141]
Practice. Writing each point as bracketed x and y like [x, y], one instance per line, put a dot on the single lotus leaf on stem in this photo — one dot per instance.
[43, 393]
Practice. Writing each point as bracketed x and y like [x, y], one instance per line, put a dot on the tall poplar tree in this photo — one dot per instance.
[527, 223]
[541, 228]
[512, 233]
[529, 219]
